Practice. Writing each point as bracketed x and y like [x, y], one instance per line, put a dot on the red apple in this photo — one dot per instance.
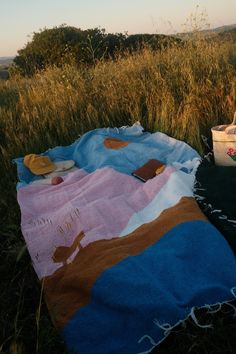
[56, 180]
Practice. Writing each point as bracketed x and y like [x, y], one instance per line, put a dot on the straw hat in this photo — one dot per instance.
[38, 164]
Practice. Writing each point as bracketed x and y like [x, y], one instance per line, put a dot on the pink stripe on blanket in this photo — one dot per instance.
[100, 204]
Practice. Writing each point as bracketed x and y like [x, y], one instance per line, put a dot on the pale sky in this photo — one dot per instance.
[20, 18]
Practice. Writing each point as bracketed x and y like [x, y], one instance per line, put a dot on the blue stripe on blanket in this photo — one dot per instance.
[90, 153]
[192, 265]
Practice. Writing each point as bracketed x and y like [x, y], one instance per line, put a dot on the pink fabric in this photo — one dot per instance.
[100, 204]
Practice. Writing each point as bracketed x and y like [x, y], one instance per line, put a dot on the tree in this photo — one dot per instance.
[70, 45]
[54, 46]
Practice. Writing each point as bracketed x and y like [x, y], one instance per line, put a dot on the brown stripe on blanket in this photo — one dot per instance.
[69, 288]
[62, 253]
[113, 143]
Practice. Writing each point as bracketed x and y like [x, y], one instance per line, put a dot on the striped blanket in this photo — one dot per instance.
[122, 261]
[214, 192]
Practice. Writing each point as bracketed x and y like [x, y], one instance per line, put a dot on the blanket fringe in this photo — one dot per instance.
[154, 344]
[207, 207]
[167, 328]
[194, 318]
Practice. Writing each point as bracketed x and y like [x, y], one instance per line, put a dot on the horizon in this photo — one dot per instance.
[130, 16]
[215, 28]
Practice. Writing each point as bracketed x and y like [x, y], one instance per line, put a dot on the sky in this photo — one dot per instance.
[19, 19]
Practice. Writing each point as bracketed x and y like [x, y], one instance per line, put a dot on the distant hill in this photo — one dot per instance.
[229, 34]
[5, 61]
[218, 30]
[4, 64]
[222, 29]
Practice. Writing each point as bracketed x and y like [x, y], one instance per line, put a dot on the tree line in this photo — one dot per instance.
[70, 45]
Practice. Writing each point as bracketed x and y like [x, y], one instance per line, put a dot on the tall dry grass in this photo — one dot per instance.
[182, 91]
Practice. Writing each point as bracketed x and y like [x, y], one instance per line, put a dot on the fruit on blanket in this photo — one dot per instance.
[57, 180]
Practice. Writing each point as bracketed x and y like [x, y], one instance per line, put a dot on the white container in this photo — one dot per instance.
[224, 144]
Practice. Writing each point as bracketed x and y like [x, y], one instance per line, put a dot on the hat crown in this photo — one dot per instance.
[38, 164]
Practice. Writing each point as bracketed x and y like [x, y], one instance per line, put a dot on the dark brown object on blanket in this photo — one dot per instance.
[149, 170]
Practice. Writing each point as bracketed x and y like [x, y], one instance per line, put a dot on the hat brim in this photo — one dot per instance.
[61, 173]
[43, 181]
[63, 165]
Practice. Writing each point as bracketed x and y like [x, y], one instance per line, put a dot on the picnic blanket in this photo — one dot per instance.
[215, 193]
[121, 261]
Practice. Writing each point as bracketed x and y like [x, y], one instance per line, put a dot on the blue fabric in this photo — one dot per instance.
[90, 153]
[192, 265]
